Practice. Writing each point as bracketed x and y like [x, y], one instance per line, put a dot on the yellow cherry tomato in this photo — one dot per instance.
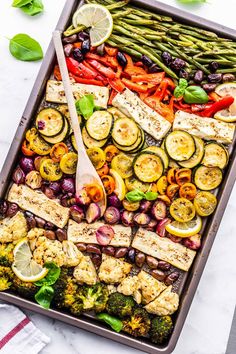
[188, 191]
[183, 176]
[182, 210]
[58, 150]
[97, 157]
[68, 163]
[205, 203]
[162, 185]
[50, 170]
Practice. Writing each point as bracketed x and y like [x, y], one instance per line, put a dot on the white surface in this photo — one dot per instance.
[208, 323]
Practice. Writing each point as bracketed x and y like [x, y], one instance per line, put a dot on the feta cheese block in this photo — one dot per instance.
[205, 128]
[150, 121]
[86, 233]
[37, 203]
[55, 92]
[163, 248]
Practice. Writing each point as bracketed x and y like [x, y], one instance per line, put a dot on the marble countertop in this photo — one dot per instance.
[207, 327]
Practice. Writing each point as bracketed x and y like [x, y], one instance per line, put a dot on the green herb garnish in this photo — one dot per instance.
[44, 296]
[85, 106]
[137, 195]
[25, 48]
[30, 7]
[112, 321]
[179, 90]
[195, 94]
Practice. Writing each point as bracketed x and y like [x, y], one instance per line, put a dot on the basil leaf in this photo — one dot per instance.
[25, 48]
[20, 3]
[112, 321]
[135, 196]
[195, 94]
[151, 195]
[179, 90]
[53, 274]
[33, 8]
[44, 296]
[85, 106]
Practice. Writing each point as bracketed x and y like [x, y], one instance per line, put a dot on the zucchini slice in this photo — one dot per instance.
[123, 164]
[215, 156]
[116, 113]
[208, 178]
[60, 137]
[180, 145]
[148, 167]
[159, 152]
[135, 147]
[133, 183]
[197, 156]
[90, 142]
[49, 122]
[125, 132]
[99, 125]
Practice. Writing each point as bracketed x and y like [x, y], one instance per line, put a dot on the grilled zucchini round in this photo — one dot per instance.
[148, 167]
[207, 178]
[180, 145]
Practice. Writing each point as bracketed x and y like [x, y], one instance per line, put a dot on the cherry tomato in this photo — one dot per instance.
[68, 163]
[188, 191]
[171, 175]
[182, 210]
[205, 203]
[26, 149]
[111, 151]
[183, 176]
[38, 160]
[50, 170]
[97, 157]
[162, 185]
[165, 199]
[94, 192]
[57, 151]
[109, 184]
[172, 189]
[104, 170]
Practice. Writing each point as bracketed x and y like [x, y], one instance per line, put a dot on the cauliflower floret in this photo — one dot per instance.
[130, 286]
[85, 272]
[72, 255]
[13, 229]
[111, 289]
[165, 304]
[113, 270]
[48, 251]
[150, 287]
[33, 236]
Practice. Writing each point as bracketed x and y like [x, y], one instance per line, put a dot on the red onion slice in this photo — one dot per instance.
[104, 235]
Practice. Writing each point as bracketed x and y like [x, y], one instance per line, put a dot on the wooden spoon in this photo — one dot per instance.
[85, 172]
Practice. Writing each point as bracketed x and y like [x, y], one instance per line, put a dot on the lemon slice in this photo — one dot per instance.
[228, 88]
[25, 268]
[120, 189]
[185, 229]
[229, 114]
[98, 19]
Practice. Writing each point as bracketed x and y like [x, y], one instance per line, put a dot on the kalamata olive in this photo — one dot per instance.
[111, 215]
[154, 68]
[161, 227]
[228, 78]
[77, 213]
[68, 185]
[77, 55]
[130, 206]
[101, 49]
[96, 259]
[49, 226]
[93, 249]
[164, 265]
[159, 210]
[142, 219]
[68, 49]
[127, 218]
[81, 247]
[50, 234]
[171, 278]
[193, 242]
[214, 78]
[104, 235]
[152, 225]
[109, 250]
[209, 87]
[158, 274]
[175, 239]
[167, 58]
[131, 255]
[66, 200]
[12, 210]
[82, 197]
[3, 209]
[93, 213]
[213, 66]
[61, 235]
[30, 219]
[27, 164]
[121, 252]
[48, 192]
[121, 58]
[183, 74]
[55, 187]
[178, 64]
[40, 222]
[145, 206]
[69, 39]
[140, 259]
[18, 176]
[198, 76]
[113, 200]
[85, 46]
[152, 262]
[146, 60]
[82, 36]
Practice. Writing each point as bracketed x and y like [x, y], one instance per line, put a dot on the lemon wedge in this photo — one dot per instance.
[120, 189]
[185, 229]
[229, 114]
[25, 268]
[98, 19]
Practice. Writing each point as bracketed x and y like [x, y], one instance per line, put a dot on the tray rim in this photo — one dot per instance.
[196, 270]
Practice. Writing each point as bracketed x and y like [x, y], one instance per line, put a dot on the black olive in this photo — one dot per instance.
[228, 77]
[146, 60]
[3, 208]
[68, 49]
[121, 58]
[209, 87]
[154, 68]
[82, 36]
[85, 47]
[178, 64]
[213, 66]
[70, 39]
[214, 78]
[167, 58]
[77, 54]
[183, 74]
[198, 76]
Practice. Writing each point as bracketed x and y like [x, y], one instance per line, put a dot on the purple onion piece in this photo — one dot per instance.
[77, 213]
[104, 235]
[55, 187]
[68, 49]
[159, 210]
[18, 176]
[152, 225]
[127, 218]
[82, 197]
[175, 239]
[27, 164]
[82, 36]
[193, 242]
[142, 219]
[145, 206]
[161, 227]
[114, 201]
[41, 125]
[112, 215]
[3, 208]
[68, 185]
[93, 213]
[12, 210]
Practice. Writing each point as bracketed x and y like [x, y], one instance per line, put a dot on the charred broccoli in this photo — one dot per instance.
[6, 254]
[120, 305]
[93, 297]
[138, 324]
[161, 327]
[24, 289]
[6, 276]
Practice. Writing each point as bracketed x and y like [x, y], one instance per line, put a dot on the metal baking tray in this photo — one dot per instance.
[189, 280]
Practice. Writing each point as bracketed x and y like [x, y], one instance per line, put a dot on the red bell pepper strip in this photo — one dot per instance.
[155, 79]
[139, 63]
[161, 90]
[112, 96]
[107, 72]
[200, 107]
[79, 69]
[117, 84]
[134, 86]
[57, 73]
[77, 45]
[111, 51]
[131, 69]
[223, 103]
[165, 110]
[83, 80]
[213, 96]
[99, 76]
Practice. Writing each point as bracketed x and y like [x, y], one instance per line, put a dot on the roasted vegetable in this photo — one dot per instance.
[138, 324]
[6, 254]
[161, 327]
[24, 289]
[93, 297]
[120, 305]
[6, 276]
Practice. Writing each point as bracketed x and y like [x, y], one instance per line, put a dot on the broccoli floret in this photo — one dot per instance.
[138, 324]
[6, 254]
[93, 297]
[161, 327]
[6, 276]
[120, 305]
[24, 289]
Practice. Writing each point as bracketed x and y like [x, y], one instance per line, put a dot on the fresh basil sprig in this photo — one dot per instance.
[112, 321]
[195, 94]
[137, 195]
[30, 7]
[179, 90]
[44, 296]
[85, 106]
[25, 48]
